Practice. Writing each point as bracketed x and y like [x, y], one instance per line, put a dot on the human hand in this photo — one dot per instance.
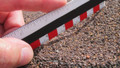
[15, 52]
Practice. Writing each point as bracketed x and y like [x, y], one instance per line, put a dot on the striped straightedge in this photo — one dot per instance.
[67, 25]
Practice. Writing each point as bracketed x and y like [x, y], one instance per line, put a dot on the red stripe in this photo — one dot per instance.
[52, 34]
[35, 44]
[96, 8]
[83, 16]
[68, 24]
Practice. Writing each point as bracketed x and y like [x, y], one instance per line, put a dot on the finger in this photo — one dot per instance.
[13, 21]
[14, 53]
[32, 5]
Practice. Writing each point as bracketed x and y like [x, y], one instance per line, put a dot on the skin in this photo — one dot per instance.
[15, 52]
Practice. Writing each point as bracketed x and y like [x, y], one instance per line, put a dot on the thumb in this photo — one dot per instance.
[14, 53]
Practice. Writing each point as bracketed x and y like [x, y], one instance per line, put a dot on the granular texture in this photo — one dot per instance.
[94, 43]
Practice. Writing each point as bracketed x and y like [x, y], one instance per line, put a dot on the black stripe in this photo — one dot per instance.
[62, 20]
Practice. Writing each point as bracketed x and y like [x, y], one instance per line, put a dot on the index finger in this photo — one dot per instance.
[31, 5]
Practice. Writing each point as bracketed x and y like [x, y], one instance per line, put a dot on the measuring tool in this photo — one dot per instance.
[52, 24]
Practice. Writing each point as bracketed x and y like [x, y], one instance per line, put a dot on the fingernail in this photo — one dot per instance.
[26, 56]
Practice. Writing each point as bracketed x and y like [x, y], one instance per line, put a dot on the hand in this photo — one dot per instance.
[15, 52]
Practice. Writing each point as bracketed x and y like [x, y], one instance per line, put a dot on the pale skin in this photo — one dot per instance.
[15, 52]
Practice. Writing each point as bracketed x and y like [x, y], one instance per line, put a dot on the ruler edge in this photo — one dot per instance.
[38, 42]
[32, 37]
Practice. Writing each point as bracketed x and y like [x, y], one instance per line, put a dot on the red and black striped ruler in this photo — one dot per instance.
[52, 24]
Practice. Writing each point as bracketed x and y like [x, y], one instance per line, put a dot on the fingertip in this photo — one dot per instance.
[53, 5]
[14, 19]
[64, 2]
[16, 52]
[26, 56]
